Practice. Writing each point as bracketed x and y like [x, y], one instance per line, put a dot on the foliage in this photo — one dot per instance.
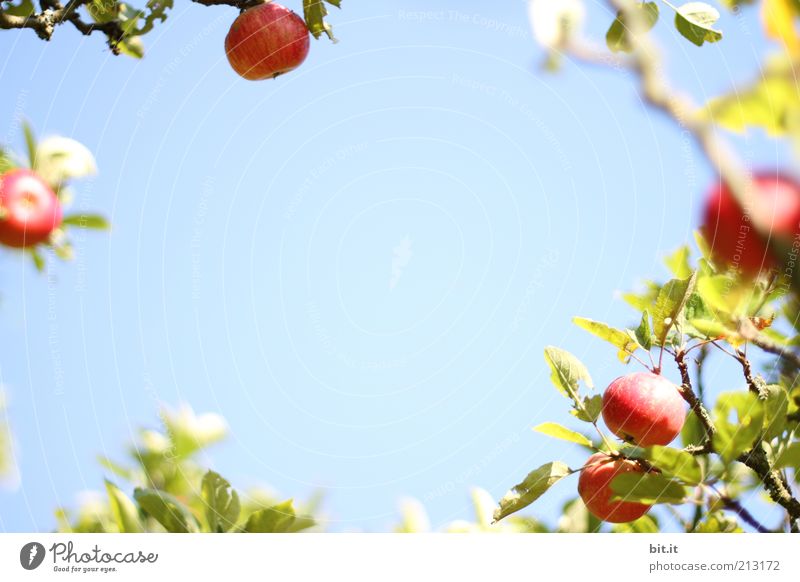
[123, 24]
[163, 488]
[57, 160]
[755, 429]
[7, 465]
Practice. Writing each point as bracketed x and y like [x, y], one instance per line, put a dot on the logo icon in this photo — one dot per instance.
[31, 555]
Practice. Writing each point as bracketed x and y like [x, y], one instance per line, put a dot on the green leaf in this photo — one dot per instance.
[647, 488]
[644, 334]
[555, 430]
[776, 406]
[37, 258]
[789, 457]
[166, 510]
[670, 303]
[711, 329]
[7, 161]
[566, 372]
[532, 487]
[692, 432]
[123, 509]
[221, 503]
[617, 35]
[315, 12]
[771, 102]
[739, 419]
[30, 143]
[575, 518]
[590, 408]
[678, 263]
[620, 339]
[24, 8]
[88, 221]
[718, 522]
[694, 20]
[645, 524]
[276, 519]
[675, 463]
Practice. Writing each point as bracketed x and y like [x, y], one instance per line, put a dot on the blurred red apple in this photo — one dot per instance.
[266, 41]
[594, 487]
[644, 408]
[29, 209]
[737, 238]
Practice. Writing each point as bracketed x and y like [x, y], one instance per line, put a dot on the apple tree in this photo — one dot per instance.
[740, 298]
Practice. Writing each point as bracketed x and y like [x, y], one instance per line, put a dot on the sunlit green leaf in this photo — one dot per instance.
[694, 20]
[532, 487]
[675, 463]
[124, 510]
[277, 519]
[221, 502]
[617, 35]
[166, 510]
[315, 12]
[647, 488]
[739, 419]
[620, 339]
[555, 430]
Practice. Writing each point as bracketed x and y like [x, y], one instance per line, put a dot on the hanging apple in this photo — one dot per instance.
[266, 41]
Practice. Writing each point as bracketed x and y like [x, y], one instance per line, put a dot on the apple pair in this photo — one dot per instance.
[644, 409]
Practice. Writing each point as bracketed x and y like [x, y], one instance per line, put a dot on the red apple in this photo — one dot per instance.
[266, 41]
[735, 236]
[29, 209]
[644, 408]
[594, 487]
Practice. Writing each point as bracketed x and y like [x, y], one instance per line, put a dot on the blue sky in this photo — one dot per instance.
[358, 264]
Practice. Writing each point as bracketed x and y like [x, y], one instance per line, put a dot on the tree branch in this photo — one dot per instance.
[695, 404]
[53, 14]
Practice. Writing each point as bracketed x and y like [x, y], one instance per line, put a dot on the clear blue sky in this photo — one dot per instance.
[250, 269]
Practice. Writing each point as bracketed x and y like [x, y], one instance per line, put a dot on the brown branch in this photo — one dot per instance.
[687, 392]
[53, 14]
[758, 462]
[771, 347]
[742, 512]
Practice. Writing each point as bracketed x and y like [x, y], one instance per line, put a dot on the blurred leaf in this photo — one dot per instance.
[675, 463]
[718, 523]
[678, 263]
[37, 258]
[30, 143]
[115, 468]
[555, 430]
[166, 510]
[694, 20]
[620, 339]
[221, 503]
[277, 519]
[647, 488]
[7, 161]
[157, 12]
[771, 102]
[413, 517]
[88, 221]
[22, 8]
[575, 518]
[532, 487]
[315, 12]
[669, 306]
[124, 510]
[737, 435]
[789, 457]
[779, 18]
[61, 158]
[645, 524]
[776, 406]
[711, 329]
[617, 35]
[189, 432]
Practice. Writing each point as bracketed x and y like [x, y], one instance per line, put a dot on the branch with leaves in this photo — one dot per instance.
[122, 24]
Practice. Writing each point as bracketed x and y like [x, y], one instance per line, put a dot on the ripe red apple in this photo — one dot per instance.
[644, 408]
[29, 209]
[735, 235]
[266, 41]
[594, 487]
